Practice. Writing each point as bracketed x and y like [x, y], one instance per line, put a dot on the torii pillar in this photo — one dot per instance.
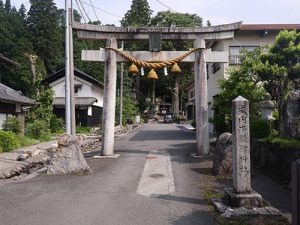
[201, 103]
[109, 99]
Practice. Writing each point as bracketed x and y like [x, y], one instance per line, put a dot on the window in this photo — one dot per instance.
[215, 67]
[234, 53]
[77, 87]
[192, 94]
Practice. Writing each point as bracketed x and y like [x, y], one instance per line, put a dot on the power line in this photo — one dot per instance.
[80, 11]
[166, 6]
[94, 10]
[84, 11]
[103, 10]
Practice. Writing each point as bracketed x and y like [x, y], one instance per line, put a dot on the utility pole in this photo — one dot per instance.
[67, 71]
[121, 88]
[72, 97]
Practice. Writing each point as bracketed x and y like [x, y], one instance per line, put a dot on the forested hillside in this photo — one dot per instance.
[38, 31]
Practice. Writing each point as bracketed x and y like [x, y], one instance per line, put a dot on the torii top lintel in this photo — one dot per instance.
[96, 32]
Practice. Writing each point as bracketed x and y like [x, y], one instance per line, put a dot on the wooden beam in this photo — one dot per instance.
[99, 56]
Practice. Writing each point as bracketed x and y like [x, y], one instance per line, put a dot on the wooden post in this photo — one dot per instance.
[296, 192]
[201, 98]
[109, 99]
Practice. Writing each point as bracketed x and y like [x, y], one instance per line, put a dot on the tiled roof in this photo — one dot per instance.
[270, 27]
[10, 95]
[79, 101]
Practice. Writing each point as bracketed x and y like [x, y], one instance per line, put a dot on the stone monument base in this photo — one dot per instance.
[243, 213]
[114, 156]
[248, 200]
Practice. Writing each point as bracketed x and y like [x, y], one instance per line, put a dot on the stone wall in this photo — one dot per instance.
[273, 160]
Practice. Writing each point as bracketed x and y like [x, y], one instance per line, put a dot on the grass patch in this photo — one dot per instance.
[26, 141]
[83, 130]
[283, 143]
[210, 192]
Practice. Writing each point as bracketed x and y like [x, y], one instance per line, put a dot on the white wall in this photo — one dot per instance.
[87, 90]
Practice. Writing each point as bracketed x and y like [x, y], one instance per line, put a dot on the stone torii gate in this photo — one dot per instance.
[203, 38]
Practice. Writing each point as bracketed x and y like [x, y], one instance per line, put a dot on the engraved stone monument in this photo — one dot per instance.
[241, 194]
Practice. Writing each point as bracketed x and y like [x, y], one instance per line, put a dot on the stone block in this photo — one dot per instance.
[249, 200]
[10, 156]
[243, 213]
[222, 162]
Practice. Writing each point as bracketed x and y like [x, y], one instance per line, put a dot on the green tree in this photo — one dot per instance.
[279, 69]
[242, 81]
[130, 109]
[14, 43]
[22, 12]
[138, 15]
[46, 33]
[43, 110]
[171, 19]
[7, 6]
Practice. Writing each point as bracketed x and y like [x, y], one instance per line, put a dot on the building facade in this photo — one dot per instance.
[88, 97]
[14, 103]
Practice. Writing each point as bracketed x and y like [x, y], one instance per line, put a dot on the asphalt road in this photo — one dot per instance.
[110, 196]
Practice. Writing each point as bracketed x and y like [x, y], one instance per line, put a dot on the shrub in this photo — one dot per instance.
[36, 129]
[178, 118]
[56, 124]
[145, 118]
[8, 141]
[83, 130]
[284, 143]
[260, 128]
[26, 141]
[12, 124]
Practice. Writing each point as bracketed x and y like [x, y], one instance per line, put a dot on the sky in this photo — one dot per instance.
[217, 11]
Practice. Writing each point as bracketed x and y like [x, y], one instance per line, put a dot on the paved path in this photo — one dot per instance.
[115, 193]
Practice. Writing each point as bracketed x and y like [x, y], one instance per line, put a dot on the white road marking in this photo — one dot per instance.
[157, 177]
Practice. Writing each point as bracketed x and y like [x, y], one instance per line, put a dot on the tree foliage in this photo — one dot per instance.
[46, 33]
[278, 68]
[242, 81]
[138, 15]
[171, 19]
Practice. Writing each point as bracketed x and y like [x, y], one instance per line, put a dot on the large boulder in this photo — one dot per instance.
[67, 157]
[222, 162]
